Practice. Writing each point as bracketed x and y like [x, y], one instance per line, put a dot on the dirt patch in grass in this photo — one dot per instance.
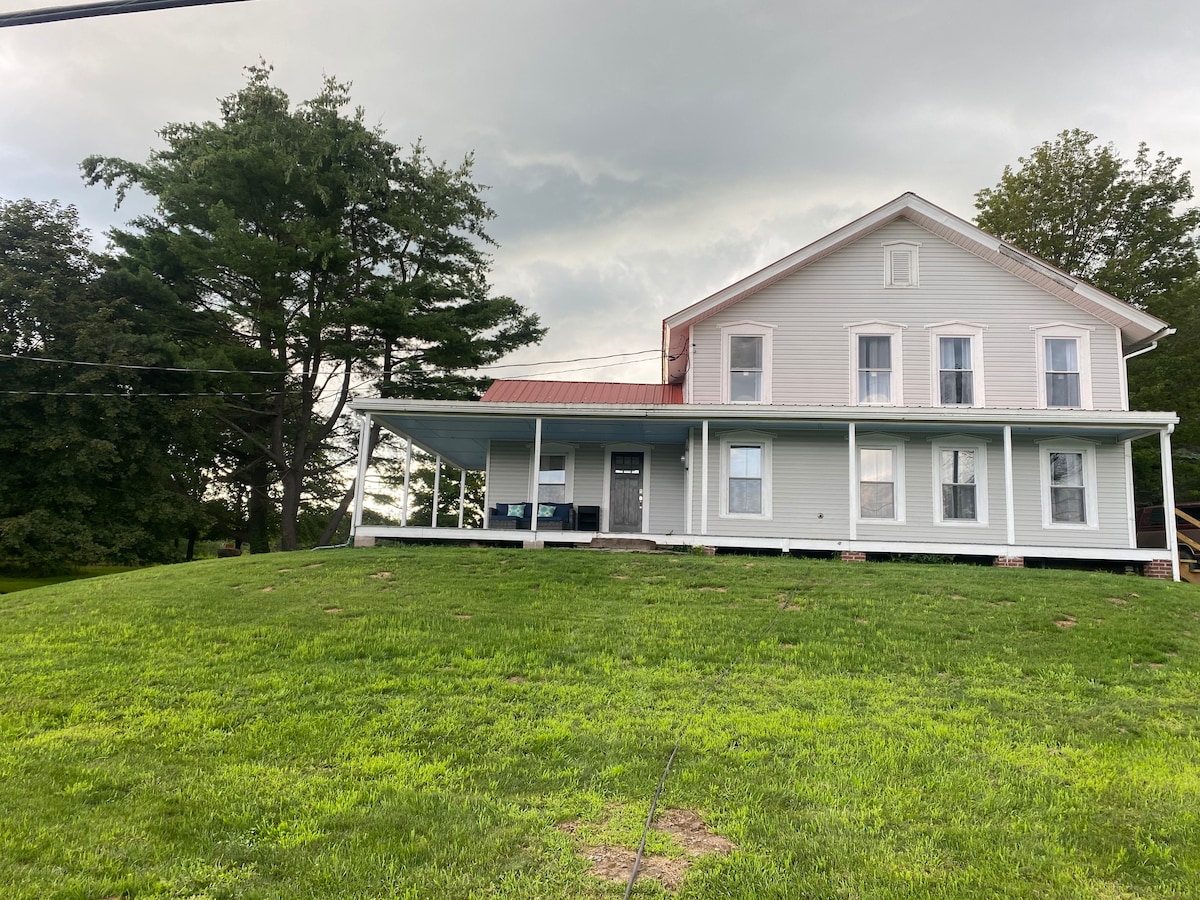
[333, 609]
[313, 566]
[516, 679]
[382, 575]
[1066, 622]
[462, 617]
[685, 825]
[719, 590]
[268, 589]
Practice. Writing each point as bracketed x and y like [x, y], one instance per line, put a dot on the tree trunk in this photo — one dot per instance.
[260, 505]
[289, 511]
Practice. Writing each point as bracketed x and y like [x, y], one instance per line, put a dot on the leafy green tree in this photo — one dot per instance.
[98, 463]
[1127, 227]
[322, 255]
[1119, 224]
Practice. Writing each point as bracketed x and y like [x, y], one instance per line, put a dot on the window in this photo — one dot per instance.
[877, 483]
[1068, 484]
[1062, 372]
[960, 480]
[958, 484]
[1068, 496]
[552, 478]
[874, 368]
[746, 475]
[745, 479]
[746, 362]
[876, 373]
[1064, 376]
[955, 376]
[745, 368]
[901, 264]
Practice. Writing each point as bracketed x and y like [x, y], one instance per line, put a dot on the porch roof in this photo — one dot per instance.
[459, 430]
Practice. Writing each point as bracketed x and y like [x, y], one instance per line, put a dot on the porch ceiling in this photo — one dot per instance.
[463, 440]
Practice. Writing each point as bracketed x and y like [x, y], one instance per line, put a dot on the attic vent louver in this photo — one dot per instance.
[900, 264]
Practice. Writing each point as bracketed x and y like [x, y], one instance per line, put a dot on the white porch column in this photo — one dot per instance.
[535, 467]
[1168, 486]
[462, 496]
[364, 447]
[852, 440]
[689, 483]
[408, 448]
[1010, 516]
[437, 486]
[704, 477]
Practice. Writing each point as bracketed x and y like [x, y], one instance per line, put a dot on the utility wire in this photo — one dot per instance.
[92, 10]
[189, 371]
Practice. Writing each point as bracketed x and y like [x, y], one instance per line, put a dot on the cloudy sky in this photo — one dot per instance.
[640, 155]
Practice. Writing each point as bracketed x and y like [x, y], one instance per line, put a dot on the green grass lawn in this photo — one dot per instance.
[421, 722]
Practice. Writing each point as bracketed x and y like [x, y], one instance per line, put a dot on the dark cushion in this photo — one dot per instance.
[513, 510]
[555, 512]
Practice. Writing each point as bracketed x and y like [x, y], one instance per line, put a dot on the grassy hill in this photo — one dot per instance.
[431, 722]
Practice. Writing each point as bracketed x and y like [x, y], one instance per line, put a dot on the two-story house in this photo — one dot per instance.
[906, 384]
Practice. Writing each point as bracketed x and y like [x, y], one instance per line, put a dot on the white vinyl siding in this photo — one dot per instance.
[812, 358]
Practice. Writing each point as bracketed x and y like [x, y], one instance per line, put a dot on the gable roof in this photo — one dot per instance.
[513, 390]
[1137, 326]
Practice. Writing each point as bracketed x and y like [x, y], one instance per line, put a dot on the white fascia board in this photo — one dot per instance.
[1072, 418]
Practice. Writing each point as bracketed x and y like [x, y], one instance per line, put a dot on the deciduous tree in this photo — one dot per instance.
[330, 258]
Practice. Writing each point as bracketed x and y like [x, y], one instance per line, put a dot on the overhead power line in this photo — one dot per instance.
[92, 10]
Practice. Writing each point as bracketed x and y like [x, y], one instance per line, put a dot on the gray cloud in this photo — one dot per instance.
[641, 155]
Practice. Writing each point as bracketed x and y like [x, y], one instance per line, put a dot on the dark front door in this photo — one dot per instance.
[625, 492]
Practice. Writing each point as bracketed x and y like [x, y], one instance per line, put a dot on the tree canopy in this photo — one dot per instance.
[101, 459]
[1120, 224]
[323, 259]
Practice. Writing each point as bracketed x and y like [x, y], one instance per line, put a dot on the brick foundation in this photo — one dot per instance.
[1158, 568]
[853, 556]
[1009, 562]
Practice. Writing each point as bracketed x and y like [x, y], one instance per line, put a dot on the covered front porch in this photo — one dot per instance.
[657, 473]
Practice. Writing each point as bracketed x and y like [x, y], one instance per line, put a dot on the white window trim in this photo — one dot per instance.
[606, 488]
[880, 441]
[747, 329]
[742, 439]
[961, 442]
[956, 329]
[913, 247]
[878, 329]
[1090, 496]
[1065, 330]
[553, 449]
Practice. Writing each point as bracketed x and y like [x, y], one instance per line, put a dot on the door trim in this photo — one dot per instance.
[643, 449]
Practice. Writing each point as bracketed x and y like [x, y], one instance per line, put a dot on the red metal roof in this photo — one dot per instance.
[520, 391]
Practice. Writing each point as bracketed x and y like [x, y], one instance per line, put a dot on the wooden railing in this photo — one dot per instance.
[1182, 538]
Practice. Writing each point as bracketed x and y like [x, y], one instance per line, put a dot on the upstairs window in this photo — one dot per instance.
[746, 362]
[956, 350]
[901, 264]
[956, 378]
[874, 368]
[1062, 372]
[745, 368]
[1064, 366]
[876, 375]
